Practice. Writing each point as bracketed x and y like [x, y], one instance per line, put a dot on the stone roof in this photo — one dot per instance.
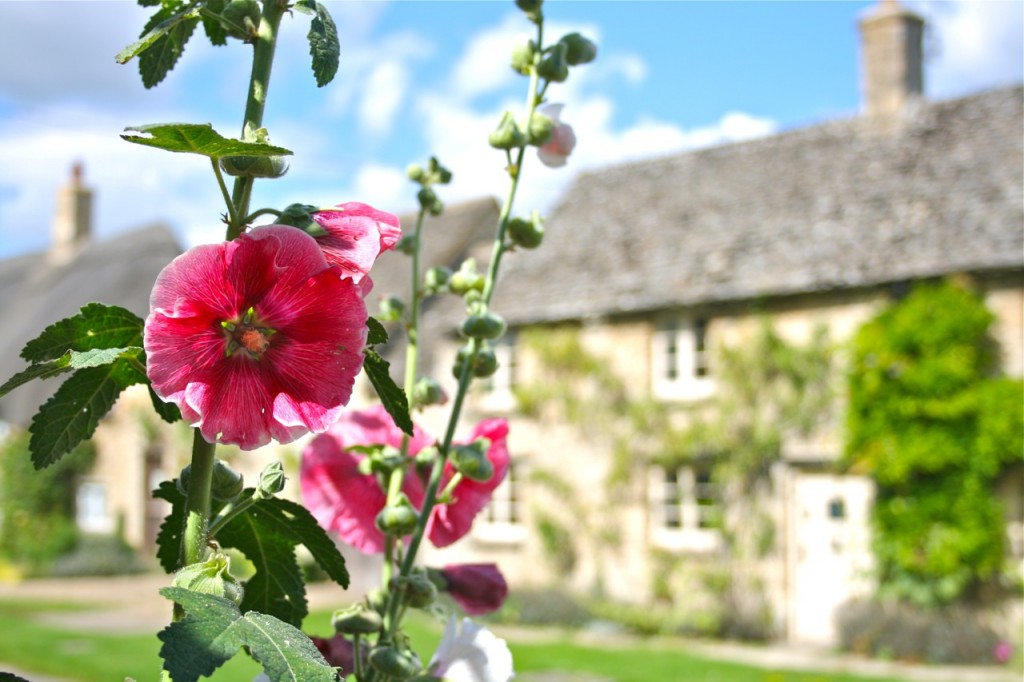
[34, 293]
[840, 205]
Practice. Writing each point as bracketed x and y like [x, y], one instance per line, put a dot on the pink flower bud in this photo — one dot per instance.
[478, 588]
[556, 150]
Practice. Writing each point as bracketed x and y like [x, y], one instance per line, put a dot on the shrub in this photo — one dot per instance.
[908, 633]
[543, 607]
[96, 555]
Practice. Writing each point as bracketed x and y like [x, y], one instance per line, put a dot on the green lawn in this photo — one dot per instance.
[104, 657]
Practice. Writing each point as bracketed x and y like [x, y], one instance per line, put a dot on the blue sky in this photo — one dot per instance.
[430, 77]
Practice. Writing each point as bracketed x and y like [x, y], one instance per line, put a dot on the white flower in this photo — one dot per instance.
[555, 151]
[473, 654]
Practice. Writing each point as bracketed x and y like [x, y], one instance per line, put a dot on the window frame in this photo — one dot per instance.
[681, 519]
[680, 358]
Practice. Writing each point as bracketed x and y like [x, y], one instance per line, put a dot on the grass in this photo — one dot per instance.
[101, 657]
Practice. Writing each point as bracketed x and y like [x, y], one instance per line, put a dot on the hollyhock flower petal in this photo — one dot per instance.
[478, 588]
[356, 235]
[256, 338]
[555, 151]
[471, 654]
[450, 522]
[343, 499]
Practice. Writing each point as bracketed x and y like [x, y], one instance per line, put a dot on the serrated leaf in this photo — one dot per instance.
[213, 631]
[73, 412]
[377, 333]
[42, 370]
[267, 533]
[94, 326]
[215, 31]
[168, 539]
[159, 57]
[391, 396]
[11, 677]
[169, 412]
[196, 138]
[159, 25]
[98, 357]
[323, 43]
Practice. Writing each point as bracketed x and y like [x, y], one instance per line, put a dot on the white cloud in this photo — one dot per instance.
[384, 91]
[972, 45]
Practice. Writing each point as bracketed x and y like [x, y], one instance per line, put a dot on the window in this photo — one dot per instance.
[91, 508]
[502, 519]
[684, 508]
[681, 359]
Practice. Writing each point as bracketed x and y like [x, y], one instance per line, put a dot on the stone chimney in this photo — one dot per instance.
[72, 222]
[892, 70]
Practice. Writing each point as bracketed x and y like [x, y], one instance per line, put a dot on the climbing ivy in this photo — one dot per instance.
[935, 427]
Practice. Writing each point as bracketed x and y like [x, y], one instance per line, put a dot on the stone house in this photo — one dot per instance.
[37, 289]
[655, 264]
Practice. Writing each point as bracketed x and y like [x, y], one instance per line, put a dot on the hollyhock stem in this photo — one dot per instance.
[259, 82]
[431, 494]
[197, 502]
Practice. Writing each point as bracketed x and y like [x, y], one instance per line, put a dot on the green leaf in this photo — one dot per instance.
[195, 138]
[391, 396]
[377, 334]
[159, 57]
[43, 370]
[168, 539]
[267, 533]
[74, 411]
[169, 412]
[94, 326]
[215, 31]
[323, 41]
[213, 631]
[159, 25]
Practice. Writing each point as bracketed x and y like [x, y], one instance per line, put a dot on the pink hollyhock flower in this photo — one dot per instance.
[555, 151]
[471, 654]
[346, 501]
[356, 235]
[478, 588]
[255, 338]
[342, 498]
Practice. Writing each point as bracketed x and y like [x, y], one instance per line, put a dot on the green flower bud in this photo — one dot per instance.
[507, 134]
[391, 309]
[227, 483]
[436, 279]
[485, 325]
[427, 391]
[438, 174]
[406, 245]
[241, 19]
[426, 197]
[466, 279]
[436, 208]
[527, 233]
[356, 620]
[555, 66]
[425, 459]
[415, 172]
[531, 8]
[272, 481]
[254, 166]
[398, 519]
[471, 460]
[416, 589]
[485, 365]
[522, 57]
[377, 599]
[579, 50]
[540, 130]
[298, 215]
[391, 662]
[211, 577]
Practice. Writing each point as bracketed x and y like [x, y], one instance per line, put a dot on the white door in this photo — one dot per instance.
[829, 554]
